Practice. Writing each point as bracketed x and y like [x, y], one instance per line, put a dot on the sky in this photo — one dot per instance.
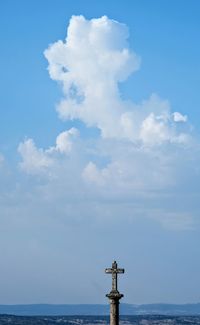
[99, 150]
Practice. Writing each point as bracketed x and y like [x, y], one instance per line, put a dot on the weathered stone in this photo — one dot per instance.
[114, 295]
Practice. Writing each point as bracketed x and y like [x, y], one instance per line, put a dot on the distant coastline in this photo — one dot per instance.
[99, 309]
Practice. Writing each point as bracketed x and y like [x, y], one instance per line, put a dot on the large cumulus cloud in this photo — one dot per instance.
[143, 149]
[90, 64]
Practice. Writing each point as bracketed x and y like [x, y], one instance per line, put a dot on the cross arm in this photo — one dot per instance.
[109, 270]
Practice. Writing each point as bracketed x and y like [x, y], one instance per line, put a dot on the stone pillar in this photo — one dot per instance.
[114, 298]
[114, 312]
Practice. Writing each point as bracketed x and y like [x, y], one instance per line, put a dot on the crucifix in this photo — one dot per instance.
[114, 295]
[114, 271]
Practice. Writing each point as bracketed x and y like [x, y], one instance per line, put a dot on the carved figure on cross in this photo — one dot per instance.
[114, 271]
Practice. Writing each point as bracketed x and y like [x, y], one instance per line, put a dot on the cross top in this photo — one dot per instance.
[114, 271]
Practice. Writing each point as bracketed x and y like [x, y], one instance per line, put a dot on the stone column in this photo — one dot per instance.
[114, 298]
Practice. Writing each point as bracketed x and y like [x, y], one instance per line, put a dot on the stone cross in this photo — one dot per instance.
[114, 271]
[114, 295]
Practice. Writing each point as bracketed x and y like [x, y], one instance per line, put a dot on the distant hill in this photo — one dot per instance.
[87, 309]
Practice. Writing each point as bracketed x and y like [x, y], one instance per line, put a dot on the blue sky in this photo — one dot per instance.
[101, 161]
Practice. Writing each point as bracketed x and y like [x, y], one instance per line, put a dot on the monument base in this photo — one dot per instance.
[114, 297]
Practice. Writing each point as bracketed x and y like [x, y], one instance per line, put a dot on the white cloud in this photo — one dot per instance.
[131, 169]
[64, 141]
[92, 174]
[156, 130]
[90, 63]
[178, 117]
[36, 160]
[142, 150]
